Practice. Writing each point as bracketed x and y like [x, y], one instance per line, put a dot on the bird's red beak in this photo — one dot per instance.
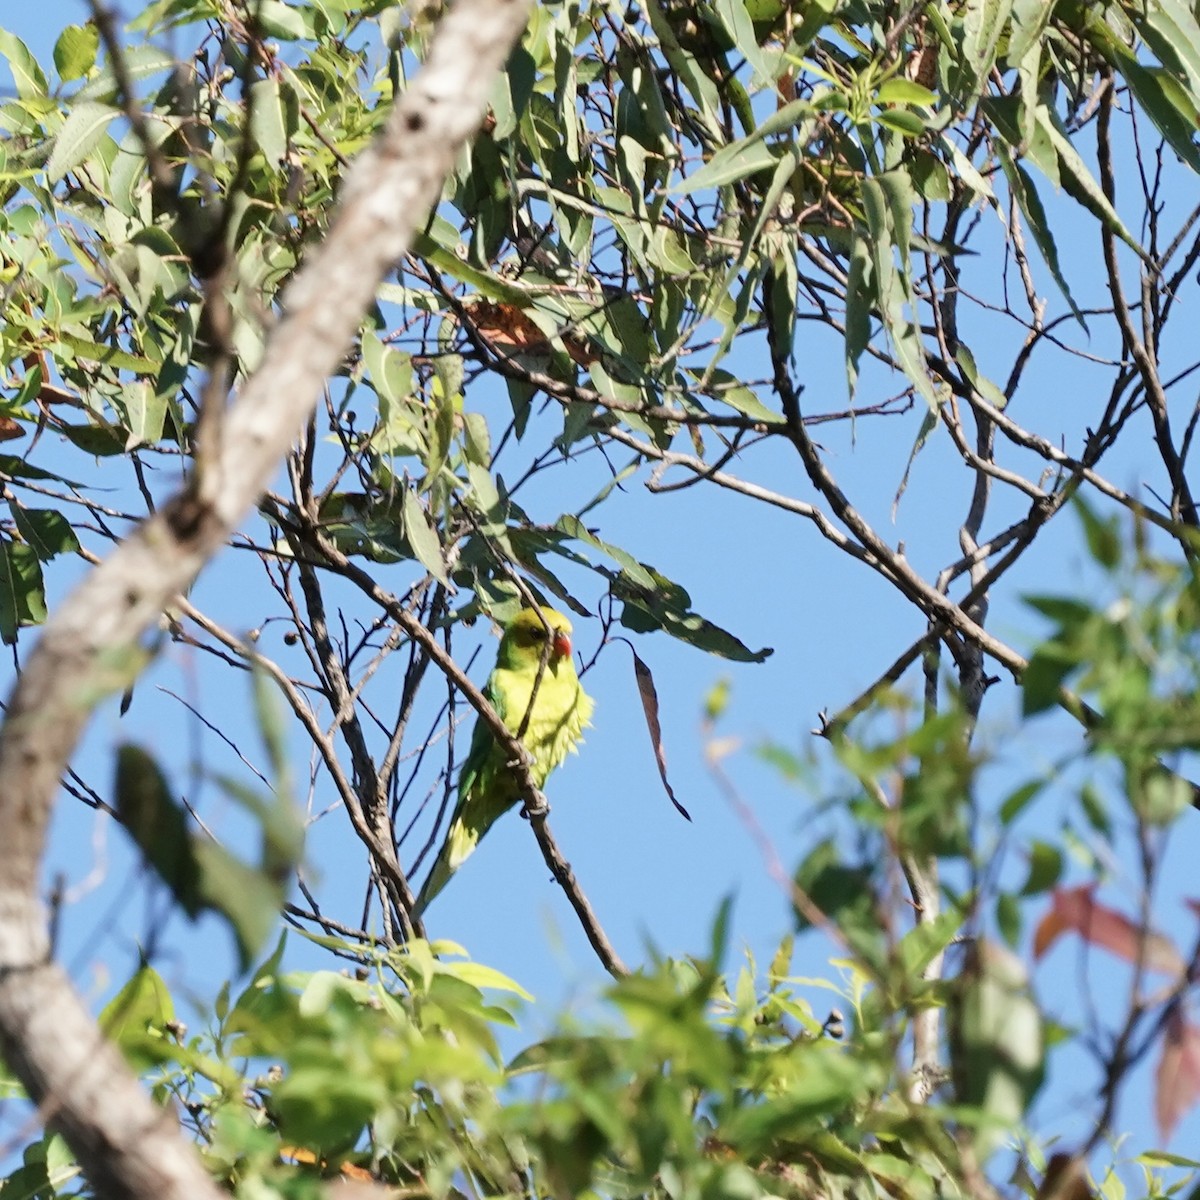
[562, 645]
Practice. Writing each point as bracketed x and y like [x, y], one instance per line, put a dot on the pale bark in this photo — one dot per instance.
[127, 1147]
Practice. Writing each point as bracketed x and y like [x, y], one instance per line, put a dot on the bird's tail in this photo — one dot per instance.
[461, 839]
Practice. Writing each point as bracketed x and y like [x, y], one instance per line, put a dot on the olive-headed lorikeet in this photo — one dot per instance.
[558, 712]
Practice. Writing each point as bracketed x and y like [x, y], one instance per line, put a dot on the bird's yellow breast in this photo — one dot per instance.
[561, 710]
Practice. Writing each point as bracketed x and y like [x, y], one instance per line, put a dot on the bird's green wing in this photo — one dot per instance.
[483, 748]
[485, 792]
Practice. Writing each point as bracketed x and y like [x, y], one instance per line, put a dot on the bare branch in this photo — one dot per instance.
[516, 756]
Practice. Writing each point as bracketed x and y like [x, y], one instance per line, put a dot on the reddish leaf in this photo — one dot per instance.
[1177, 1081]
[1074, 910]
[649, 695]
[507, 326]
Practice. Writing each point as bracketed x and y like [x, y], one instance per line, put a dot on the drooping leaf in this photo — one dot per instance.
[268, 120]
[1171, 30]
[1030, 204]
[649, 698]
[1079, 182]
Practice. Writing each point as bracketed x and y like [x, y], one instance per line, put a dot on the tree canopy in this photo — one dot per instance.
[898, 287]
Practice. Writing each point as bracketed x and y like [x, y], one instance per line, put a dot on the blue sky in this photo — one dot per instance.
[655, 879]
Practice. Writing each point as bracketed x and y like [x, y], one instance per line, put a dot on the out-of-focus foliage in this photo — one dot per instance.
[691, 1086]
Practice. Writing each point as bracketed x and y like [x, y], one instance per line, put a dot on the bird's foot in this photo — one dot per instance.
[536, 808]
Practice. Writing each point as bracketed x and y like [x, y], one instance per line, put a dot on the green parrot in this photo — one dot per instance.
[560, 711]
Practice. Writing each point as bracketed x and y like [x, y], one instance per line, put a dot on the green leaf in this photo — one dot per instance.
[644, 615]
[1045, 868]
[927, 939]
[281, 21]
[280, 821]
[321, 1104]
[735, 18]
[157, 824]
[75, 51]
[1174, 109]
[729, 164]
[1160, 1158]
[480, 976]
[636, 572]
[272, 727]
[983, 22]
[389, 370]
[966, 171]
[200, 873]
[27, 74]
[729, 389]
[984, 386]
[906, 123]
[1095, 810]
[143, 413]
[929, 422]
[46, 531]
[268, 121]
[1103, 535]
[1008, 918]
[365, 525]
[822, 1082]
[1066, 610]
[99, 440]
[997, 1051]
[422, 536]
[1030, 19]
[1030, 204]
[899, 90]
[887, 202]
[860, 303]
[135, 1019]
[845, 894]
[81, 133]
[1170, 29]
[695, 75]
[1077, 180]
[1043, 679]
[1016, 803]
[109, 356]
[246, 896]
[22, 591]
